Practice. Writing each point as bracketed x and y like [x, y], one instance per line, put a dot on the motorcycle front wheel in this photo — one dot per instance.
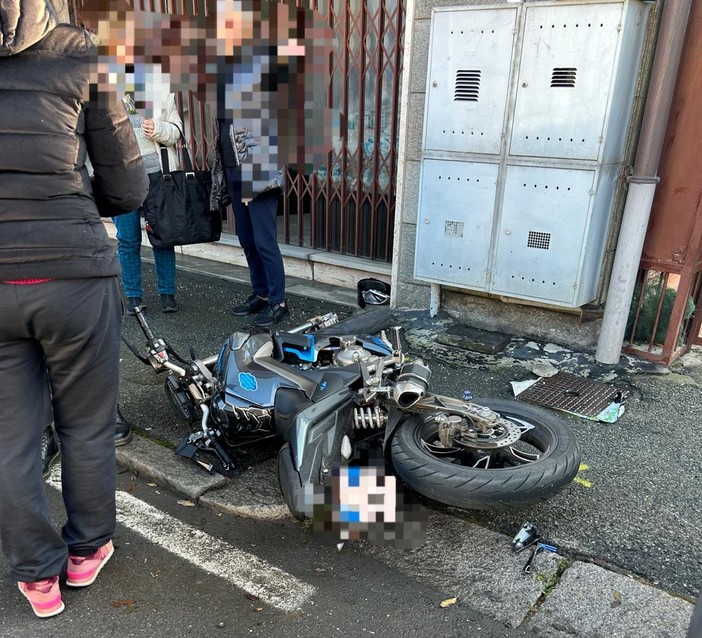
[542, 463]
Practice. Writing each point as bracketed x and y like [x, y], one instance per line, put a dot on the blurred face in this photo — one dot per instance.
[115, 31]
[234, 25]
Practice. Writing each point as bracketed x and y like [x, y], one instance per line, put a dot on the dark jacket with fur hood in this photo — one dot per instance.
[49, 210]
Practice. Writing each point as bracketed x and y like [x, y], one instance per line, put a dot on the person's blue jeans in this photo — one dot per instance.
[256, 230]
[129, 251]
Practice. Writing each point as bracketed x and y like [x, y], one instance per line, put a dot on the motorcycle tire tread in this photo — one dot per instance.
[479, 489]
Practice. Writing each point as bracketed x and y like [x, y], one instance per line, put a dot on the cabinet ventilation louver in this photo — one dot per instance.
[563, 77]
[539, 240]
[467, 86]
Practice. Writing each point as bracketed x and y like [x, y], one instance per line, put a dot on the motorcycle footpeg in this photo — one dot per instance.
[207, 458]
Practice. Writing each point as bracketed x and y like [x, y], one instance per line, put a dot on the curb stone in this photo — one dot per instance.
[591, 602]
[162, 465]
[255, 494]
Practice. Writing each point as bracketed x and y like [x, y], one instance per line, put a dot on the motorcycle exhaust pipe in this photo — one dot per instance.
[412, 383]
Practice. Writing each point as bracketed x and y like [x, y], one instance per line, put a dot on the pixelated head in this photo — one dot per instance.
[365, 502]
[235, 25]
[113, 23]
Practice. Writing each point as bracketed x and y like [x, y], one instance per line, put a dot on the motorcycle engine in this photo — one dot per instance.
[350, 352]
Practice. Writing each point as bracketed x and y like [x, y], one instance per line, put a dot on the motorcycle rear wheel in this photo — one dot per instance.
[547, 462]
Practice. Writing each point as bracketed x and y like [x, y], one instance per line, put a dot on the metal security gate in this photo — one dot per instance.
[348, 205]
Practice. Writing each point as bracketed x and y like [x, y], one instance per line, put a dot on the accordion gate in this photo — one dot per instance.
[348, 205]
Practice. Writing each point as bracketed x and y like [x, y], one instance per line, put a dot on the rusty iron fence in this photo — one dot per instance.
[663, 324]
[347, 205]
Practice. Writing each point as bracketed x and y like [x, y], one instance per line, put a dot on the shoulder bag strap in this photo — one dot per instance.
[186, 156]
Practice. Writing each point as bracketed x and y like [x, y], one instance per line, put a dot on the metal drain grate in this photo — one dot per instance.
[569, 392]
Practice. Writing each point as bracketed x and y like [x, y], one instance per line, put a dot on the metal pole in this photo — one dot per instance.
[642, 183]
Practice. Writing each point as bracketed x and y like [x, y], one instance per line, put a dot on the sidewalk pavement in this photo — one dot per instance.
[607, 579]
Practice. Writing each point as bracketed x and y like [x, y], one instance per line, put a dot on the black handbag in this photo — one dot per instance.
[177, 208]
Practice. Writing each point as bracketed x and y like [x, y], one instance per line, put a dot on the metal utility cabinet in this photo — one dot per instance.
[526, 115]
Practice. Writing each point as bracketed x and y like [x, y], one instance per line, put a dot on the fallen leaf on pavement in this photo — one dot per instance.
[617, 599]
[448, 602]
[252, 596]
[186, 503]
[258, 608]
[124, 603]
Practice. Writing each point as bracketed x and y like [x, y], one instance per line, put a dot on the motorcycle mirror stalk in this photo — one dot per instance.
[316, 323]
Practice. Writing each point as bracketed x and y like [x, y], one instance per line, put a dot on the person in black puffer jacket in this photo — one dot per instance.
[59, 294]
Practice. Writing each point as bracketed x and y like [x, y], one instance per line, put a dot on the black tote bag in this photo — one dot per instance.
[177, 208]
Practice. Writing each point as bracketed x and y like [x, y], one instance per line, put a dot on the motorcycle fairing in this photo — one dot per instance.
[316, 433]
[289, 402]
[245, 358]
[249, 377]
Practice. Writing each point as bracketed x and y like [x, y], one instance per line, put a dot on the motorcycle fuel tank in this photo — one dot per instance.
[243, 381]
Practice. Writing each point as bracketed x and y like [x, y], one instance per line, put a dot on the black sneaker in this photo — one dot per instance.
[49, 450]
[168, 303]
[123, 431]
[133, 302]
[253, 305]
[271, 314]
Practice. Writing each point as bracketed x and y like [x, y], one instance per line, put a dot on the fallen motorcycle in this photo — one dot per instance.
[325, 388]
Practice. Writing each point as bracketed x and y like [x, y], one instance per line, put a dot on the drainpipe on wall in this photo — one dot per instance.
[642, 182]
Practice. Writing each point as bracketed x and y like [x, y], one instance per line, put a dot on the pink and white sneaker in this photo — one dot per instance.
[83, 570]
[44, 596]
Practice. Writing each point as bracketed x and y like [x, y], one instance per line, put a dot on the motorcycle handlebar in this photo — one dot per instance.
[139, 314]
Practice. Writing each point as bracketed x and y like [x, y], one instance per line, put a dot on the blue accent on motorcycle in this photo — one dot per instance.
[467, 395]
[248, 381]
[379, 342]
[323, 385]
[304, 355]
[349, 516]
[354, 477]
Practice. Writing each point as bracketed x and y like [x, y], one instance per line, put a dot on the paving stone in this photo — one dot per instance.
[591, 602]
[474, 564]
[460, 336]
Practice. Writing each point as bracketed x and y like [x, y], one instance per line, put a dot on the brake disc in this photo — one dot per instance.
[456, 433]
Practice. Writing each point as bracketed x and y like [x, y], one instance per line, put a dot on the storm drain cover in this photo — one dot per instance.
[572, 393]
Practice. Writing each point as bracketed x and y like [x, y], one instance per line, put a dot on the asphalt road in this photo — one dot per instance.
[164, 589]
[636, 507]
